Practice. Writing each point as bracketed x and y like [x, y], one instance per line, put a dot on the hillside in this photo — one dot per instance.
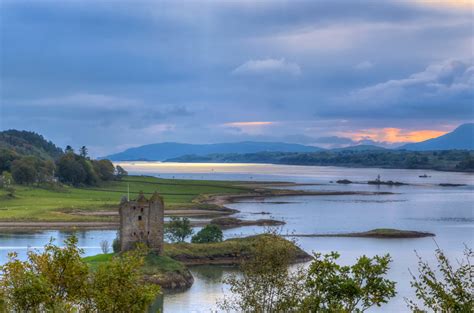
[168, 150]
[454, 160]
[26, 143]
[462, 138]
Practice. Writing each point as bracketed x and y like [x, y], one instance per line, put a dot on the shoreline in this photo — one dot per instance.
[219, 201]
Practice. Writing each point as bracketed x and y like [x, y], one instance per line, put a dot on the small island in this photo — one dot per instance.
[381, 233]
[142, 223]
[232, 222]
[170, 268]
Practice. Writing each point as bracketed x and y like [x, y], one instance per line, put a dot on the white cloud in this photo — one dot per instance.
[365, 65]
[266, 66]
[447, 83]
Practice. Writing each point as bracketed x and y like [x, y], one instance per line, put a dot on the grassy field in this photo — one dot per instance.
[47, 204]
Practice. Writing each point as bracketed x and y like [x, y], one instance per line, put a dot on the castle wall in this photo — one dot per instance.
[141, 221]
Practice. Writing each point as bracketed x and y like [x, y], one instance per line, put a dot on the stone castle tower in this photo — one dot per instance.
[141, 221]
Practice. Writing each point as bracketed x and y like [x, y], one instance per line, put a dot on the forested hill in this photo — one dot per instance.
[26, 143]
[454, 160]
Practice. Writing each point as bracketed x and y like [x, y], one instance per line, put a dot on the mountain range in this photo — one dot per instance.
[169, 150]
[462, 138]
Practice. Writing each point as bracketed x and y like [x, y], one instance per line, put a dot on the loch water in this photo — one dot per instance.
[422, 206]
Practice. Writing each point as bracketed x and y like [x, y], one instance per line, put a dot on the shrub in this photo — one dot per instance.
[59, 280]
[178, 229]
[446, 288]
[116, 245]
[210, 233]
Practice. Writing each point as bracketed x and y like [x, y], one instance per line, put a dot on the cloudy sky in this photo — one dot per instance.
[116, 74]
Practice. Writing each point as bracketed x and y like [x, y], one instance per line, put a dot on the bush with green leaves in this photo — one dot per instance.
[447, 288]
[331, 287]
[265, 283]
[209, 233]
[58, 280]
[178, 229]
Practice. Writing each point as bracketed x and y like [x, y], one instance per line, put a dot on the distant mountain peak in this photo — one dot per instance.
[461, 138]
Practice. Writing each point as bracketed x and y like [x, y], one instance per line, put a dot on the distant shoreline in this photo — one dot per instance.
[293, 164]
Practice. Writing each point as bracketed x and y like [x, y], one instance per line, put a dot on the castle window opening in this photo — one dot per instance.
[139, 217]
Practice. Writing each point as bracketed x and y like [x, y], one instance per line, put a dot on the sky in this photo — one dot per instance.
[116, 74]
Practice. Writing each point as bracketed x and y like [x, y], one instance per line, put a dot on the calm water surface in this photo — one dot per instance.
[424, 206]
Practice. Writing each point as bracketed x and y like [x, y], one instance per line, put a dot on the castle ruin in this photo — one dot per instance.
[141, 221]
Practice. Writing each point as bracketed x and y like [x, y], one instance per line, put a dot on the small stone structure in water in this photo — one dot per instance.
[141, 221]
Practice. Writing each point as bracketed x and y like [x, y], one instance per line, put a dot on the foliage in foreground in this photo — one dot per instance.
[331, 287]
[266, 284]
[446, 288]
[58, 280]
[210, 233]
[178, 229]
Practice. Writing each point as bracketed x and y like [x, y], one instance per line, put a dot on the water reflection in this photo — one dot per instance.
[446, 211]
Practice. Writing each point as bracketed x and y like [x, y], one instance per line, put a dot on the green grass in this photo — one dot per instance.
[153, 263]
[42, 204]
[235, 247]
[174, 253]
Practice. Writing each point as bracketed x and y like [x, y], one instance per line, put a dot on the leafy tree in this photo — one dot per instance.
[266, 284]
[117, 285]
[70, 170]
[104, 169]
[210, 233]
[178, 229]
[58, 280]
[7, 156]
[6, 180]
[446, 289]
[23, 171]
[69, 149]
[331, 287]
[83, 151]
[120, 172]
[53, 280]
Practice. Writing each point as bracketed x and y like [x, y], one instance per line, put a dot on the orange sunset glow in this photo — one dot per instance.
[394, 135]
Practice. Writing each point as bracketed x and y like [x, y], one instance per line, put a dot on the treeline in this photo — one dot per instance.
[27, 158]
[450, 160]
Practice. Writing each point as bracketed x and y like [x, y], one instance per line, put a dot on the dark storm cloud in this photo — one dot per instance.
[138, 72]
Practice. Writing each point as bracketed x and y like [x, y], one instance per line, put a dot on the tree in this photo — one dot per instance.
[266, 284]
[120, 172]
[83, 151]
[70, 170]
[104, 246]
[49, 281]
[331, 287]
[69, 149]
[58, 280]
[104, 169]
[6, 179]
[178, 229]
[210, 233]
[23, 171]
[446, 289]
[7, 156]
[117, 285]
